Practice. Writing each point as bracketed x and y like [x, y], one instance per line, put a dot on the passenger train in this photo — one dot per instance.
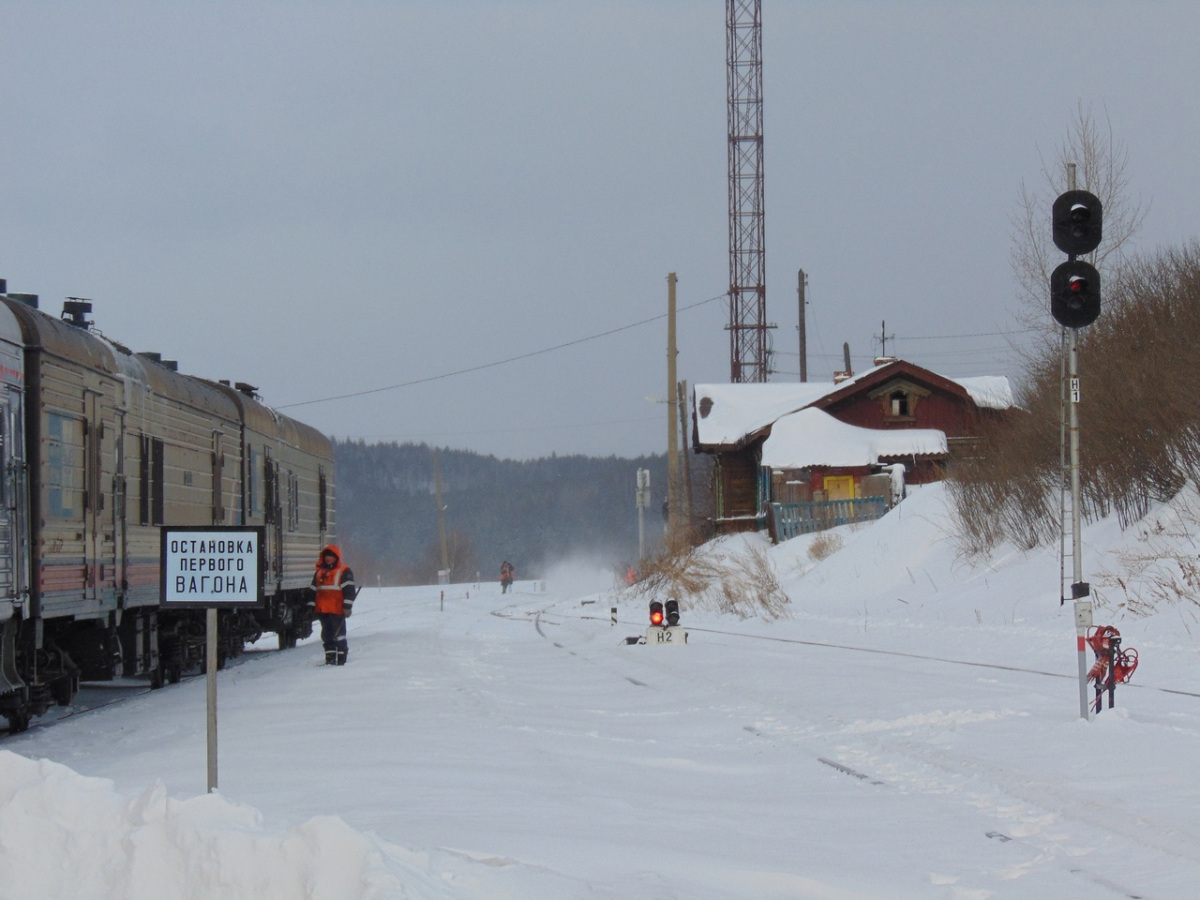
[99, 448]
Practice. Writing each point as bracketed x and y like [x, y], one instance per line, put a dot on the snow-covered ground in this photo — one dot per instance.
[910, 729]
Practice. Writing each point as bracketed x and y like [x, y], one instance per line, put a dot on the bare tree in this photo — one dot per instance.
[1102, 163]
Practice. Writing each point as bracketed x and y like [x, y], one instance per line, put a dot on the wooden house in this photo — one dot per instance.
[896, 413]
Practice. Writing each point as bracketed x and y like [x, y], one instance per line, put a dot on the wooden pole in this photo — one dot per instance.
[672, 402]
[441, 511]
[685, 495]
[802, 326]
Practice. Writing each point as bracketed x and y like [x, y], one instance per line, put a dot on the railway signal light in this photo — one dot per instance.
[656, 612]
[672, 611]
[1075, 294]
[1077, 219]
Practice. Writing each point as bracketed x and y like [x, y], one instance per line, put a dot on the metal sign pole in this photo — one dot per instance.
[1083, 605]
[211, 637]
[212, 567]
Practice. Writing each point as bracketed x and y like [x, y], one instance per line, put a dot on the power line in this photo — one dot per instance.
[499, 362]
[529, 429]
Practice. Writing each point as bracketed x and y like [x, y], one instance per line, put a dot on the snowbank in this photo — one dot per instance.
[65, 835]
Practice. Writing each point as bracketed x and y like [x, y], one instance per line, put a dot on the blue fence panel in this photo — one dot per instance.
[794, 519]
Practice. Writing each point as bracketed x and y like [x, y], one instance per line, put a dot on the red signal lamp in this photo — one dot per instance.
[656, 613]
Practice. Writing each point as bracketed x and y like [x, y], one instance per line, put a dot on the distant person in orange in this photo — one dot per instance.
[332, 596]
[630, 575]
[507, 574]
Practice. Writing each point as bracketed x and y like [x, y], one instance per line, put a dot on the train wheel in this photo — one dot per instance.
[157, 678]
[62, 690]
[174, 674]
[18, 722]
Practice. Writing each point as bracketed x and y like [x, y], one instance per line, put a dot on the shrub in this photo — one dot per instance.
[1139, 416]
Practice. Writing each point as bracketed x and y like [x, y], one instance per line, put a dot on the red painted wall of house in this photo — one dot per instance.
[942, 411]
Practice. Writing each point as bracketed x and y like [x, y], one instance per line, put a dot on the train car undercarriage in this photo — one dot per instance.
[160, 646]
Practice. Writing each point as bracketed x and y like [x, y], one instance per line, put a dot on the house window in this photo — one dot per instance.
[899, 403]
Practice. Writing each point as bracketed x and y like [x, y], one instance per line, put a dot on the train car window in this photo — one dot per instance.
[144, 481]
[270, 491]
[4, 456]
[218, 477]
[150, 482]
[158, 474]
[253, 479]
[64, 465]
[293, 501]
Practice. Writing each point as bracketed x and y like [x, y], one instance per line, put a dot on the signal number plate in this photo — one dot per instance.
[666, 634]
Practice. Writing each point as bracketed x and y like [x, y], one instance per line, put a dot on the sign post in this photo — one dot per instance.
[212, 567]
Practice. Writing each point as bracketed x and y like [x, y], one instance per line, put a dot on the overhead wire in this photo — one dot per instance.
[592, 337]
[500, 362]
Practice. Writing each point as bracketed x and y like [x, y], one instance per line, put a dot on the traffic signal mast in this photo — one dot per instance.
[1077, 222]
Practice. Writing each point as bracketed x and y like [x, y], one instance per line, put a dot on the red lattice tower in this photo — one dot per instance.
[748, 345]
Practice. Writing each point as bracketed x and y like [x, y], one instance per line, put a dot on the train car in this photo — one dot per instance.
[287, 487]
[14, 563]
[115, 446]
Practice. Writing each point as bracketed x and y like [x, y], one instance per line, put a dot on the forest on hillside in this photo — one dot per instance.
[532, 512]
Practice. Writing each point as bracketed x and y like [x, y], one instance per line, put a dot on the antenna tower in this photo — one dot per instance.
[748, 350]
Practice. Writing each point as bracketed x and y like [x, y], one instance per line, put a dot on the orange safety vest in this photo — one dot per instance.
[329, 589]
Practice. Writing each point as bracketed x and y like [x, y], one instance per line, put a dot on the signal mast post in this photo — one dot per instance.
[1076, 221]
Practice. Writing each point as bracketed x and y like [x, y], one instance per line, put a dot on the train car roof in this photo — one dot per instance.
[261, 418]
[10, 328]
[91, 349]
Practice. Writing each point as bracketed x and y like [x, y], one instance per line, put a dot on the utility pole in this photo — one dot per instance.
[642, 499]
[801, 283]
[685, 493]
[441, 511]
[672, 405]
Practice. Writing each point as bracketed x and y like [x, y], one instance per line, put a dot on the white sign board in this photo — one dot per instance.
[669, 635]
[212, 566]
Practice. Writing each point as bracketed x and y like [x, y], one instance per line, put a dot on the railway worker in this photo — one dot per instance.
[507, 574]
[332, 596]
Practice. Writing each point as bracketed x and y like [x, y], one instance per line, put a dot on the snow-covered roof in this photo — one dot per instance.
[726, 413]
[988, 391]
[812, 437]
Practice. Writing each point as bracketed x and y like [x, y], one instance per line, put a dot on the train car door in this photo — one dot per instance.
[14, 534]
[14, 564]
[119, 512]
[93, 499]
[99, 552]
[274, 518]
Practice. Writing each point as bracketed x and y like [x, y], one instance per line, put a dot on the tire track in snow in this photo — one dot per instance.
[979, 785]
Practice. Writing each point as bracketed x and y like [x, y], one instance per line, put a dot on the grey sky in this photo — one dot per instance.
[328, 198]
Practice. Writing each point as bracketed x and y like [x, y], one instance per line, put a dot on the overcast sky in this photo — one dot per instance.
[365, 198]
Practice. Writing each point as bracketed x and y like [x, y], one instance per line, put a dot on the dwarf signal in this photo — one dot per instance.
[664, 623]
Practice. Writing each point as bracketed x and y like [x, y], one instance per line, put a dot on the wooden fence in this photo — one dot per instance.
[793, 519]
